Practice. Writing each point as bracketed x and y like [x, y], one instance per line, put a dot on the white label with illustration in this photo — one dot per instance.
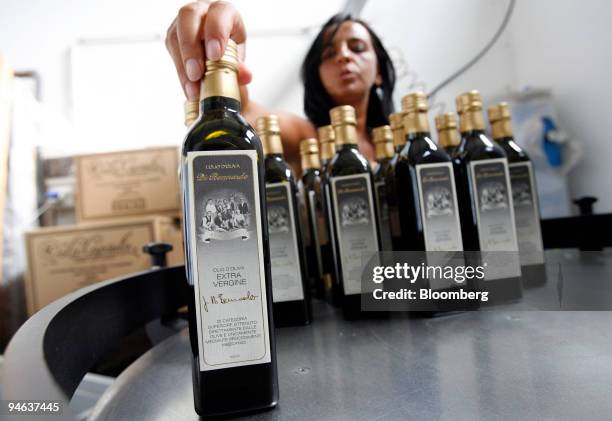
[226, 265]
[492, 201]
[438, 207]
[284, 253]
[526, 212]
[355, 227]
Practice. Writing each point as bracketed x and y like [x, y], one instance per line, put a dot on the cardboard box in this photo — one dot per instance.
[63, 259]
[127, 183]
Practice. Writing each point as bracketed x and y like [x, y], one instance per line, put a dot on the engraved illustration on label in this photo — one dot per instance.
[438, 207]
[355, 227]
[223, 222]
[439, 216]
[284, 252]
[492, 201]
[526, 213]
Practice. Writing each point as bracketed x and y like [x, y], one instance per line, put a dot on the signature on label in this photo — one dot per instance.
[221, 299]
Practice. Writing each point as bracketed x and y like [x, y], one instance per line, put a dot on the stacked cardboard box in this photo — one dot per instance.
[119, 184]
[123, 201]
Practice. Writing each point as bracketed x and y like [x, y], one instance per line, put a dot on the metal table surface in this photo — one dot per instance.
[501, 364]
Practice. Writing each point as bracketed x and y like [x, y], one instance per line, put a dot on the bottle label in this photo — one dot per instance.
[526, 212]
[383, 216]
[438, 203]
[355, 227]
[284, 252]
[315, 219]
[492, 202]
[226, 260]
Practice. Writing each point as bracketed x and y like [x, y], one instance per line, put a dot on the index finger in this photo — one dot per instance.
[189, 33]
[221, 23]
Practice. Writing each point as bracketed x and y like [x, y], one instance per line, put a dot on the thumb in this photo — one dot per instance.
[244, 74]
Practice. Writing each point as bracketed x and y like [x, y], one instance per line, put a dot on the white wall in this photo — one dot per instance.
[558, 44]
[565, 45]
[435, 37]
[133, 99]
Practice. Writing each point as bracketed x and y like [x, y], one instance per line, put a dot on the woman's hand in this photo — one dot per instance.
[200, 32]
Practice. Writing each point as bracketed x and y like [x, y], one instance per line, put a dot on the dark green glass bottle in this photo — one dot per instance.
[391, 179]
[485, 203]
[289, 278]
[524, 197]
[227, 252]
[317, 235]
[353, 209]
[437, 222]
[406, 195]
[383, 142]
[327, 148]
[438, 229]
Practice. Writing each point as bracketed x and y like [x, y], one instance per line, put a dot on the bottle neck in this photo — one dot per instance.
[501, 129]
[472, 120]
[220, 81]
[346, 134]
[384, 150]
[399, 138]
[310, 161]
[346, 147]
[416, 122]
[448, 138]
[271, 143]
[416, 137]
[219, 103]
[328, 150]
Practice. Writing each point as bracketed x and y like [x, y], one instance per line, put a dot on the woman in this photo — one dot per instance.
[346, 65]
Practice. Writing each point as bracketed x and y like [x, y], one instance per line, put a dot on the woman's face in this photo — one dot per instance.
[349, 66]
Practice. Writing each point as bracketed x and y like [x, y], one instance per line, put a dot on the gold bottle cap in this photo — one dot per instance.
[446, 124]
[343, 114]
[500, 118]
[446, 121]
[309, 146]
[469, 101]
[326, 134]
[395, 120]
[268, 129]
[415, 109]
[344, 121]
[192, 111]
[469, 107]
[327, 139]
[309, 150]
[397, 127]
[268, 124]
[498, 112]
[415, 102]
[382, 134]
[383, 141]
[229, 59]
[221, 78]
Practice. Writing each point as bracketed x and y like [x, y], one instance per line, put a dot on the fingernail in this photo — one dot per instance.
[213, 49]
[191, 90]
[193, 69]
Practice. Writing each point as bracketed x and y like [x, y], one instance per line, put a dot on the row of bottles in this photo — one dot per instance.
[251, 259]
[465, 193]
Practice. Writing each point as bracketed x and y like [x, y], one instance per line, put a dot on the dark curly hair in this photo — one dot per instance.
[318, 102]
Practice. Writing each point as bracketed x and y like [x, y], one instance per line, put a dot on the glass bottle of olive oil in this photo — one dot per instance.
[227, 252]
